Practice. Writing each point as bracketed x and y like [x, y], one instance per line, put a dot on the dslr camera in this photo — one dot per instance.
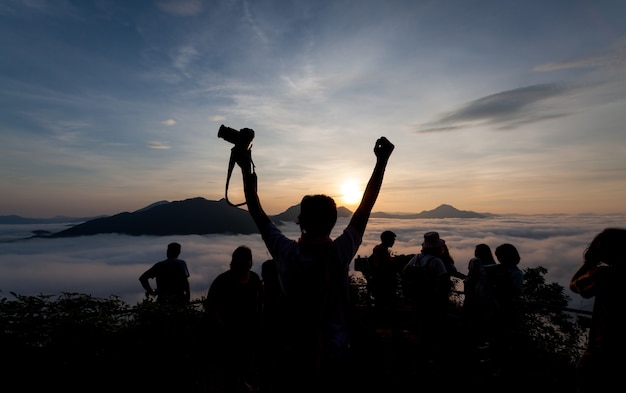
[241, 139]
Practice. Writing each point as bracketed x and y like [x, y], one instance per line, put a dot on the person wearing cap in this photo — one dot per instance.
[426, 281]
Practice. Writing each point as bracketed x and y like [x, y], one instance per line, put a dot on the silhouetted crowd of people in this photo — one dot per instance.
[268, 341]
[289, 330]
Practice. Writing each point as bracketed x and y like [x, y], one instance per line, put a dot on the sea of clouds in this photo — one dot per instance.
[110, 264]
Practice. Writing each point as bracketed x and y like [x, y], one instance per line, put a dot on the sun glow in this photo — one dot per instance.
[350, 193]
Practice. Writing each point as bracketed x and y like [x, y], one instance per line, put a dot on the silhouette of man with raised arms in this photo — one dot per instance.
[171, 276]
[313, 275]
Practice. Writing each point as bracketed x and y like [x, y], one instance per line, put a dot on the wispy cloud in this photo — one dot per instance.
[181, 7]
[249, 18]
[612, 60]
[158, 145]
[183, 57]
[505, 110]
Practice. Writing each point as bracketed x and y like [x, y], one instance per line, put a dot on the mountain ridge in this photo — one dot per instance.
[442, 211]
[199, 216]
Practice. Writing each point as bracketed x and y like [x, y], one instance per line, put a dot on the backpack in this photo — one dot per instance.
[497, 282]
[477, 281]
[417, 279]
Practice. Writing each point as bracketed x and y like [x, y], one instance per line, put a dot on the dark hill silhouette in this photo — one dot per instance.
[188, 217]
[442, 211]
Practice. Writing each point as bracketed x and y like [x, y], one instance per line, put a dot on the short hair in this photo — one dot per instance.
[173, 250]
[387, 235]
[318, 214]
[507, 254]
[242, 259]
[268, 268]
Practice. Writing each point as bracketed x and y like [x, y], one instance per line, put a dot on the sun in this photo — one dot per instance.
[351, 193]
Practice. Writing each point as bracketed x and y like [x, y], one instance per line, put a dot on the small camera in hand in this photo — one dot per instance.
[241, 139]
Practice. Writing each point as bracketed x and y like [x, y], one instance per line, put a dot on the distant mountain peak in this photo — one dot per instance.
[150, 206]
[441, 211]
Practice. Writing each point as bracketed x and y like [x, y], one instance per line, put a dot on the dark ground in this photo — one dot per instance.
[387, 363]
[382, 362]
[181, 359]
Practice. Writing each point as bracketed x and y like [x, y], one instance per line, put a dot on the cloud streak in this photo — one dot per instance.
[504, 111]
[159, 145]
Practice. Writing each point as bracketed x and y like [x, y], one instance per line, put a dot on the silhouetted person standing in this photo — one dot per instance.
[476, 302]
[427, 283]
[234, 304]
[383, 281]
[272, 327]
[602, 365]
[162, 335]
[313, 274]
[273, 311]
[505, 281]
[171, 276]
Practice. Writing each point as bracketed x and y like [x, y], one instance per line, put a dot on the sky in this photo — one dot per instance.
[110, 264]
[493, 106]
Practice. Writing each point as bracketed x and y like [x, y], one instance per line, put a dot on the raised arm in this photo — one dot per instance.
[243, 158]
[382, 149]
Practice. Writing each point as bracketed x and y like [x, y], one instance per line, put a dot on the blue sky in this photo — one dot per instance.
[494, 106]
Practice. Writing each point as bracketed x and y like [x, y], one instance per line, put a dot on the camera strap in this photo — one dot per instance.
[231, 166]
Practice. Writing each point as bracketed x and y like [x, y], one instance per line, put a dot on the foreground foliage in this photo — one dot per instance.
[78, 342]
[552, 332]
